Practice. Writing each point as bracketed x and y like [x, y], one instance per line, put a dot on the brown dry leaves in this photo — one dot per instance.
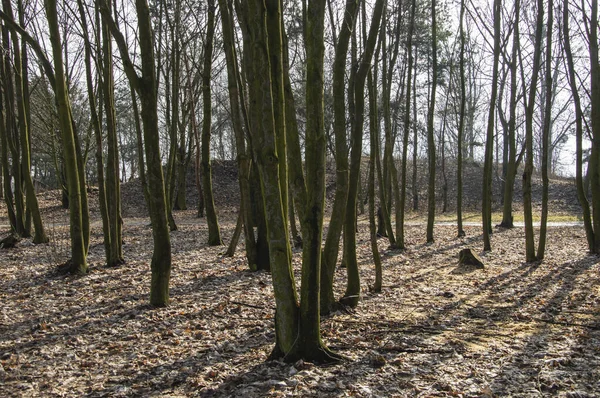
[512, 328]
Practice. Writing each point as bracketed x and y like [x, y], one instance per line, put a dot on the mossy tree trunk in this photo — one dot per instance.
[253, 22]
[77, 209]
[22, 98]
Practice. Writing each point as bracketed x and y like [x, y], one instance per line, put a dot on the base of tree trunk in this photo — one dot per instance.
[303, 357]
[350, 301]
[9, 242]
[69, 267]
[116, 263]
[507, 224]
[467, 257]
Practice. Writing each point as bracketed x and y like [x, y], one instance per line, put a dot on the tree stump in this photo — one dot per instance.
[9, 242]
[467, 257]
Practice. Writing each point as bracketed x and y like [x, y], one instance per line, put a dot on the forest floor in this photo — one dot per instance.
[436, 329]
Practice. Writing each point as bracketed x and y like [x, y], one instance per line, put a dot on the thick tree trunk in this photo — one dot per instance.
[252, 17]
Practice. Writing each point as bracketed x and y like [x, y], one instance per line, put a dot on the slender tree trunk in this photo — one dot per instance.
[374, 139]
[78, 262]
[332, 241]
[22, 91]
[402, 204]
[511, 168]
[243, 159]
[530, 254]
[430, 130]
[12, 130]
[486, 206]
[415, 131]
[145, 85]
[352, 294]
[96, 125]
[546, 132]
[113, 187]
[594, 162]
[581, 194]
[310, 345]
[386, 185]
[214, 233]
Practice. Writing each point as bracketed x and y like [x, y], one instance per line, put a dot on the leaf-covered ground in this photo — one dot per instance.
[436, 330]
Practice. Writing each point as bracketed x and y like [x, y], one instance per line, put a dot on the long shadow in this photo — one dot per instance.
[542, 359]
[551, 289]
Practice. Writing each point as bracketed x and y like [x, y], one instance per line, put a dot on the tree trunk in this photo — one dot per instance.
[546, 133]
[214, 233]
[486, 206]
[402, 204]
[530, 254]
[78, 261]
[430, 130]
[511, 167]
[594, 162]
[252, 17]
[352, 294]
[332, 241]
[374, 139]
[113, 187]
[243, 159]
[581, 194]
[96, 125]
